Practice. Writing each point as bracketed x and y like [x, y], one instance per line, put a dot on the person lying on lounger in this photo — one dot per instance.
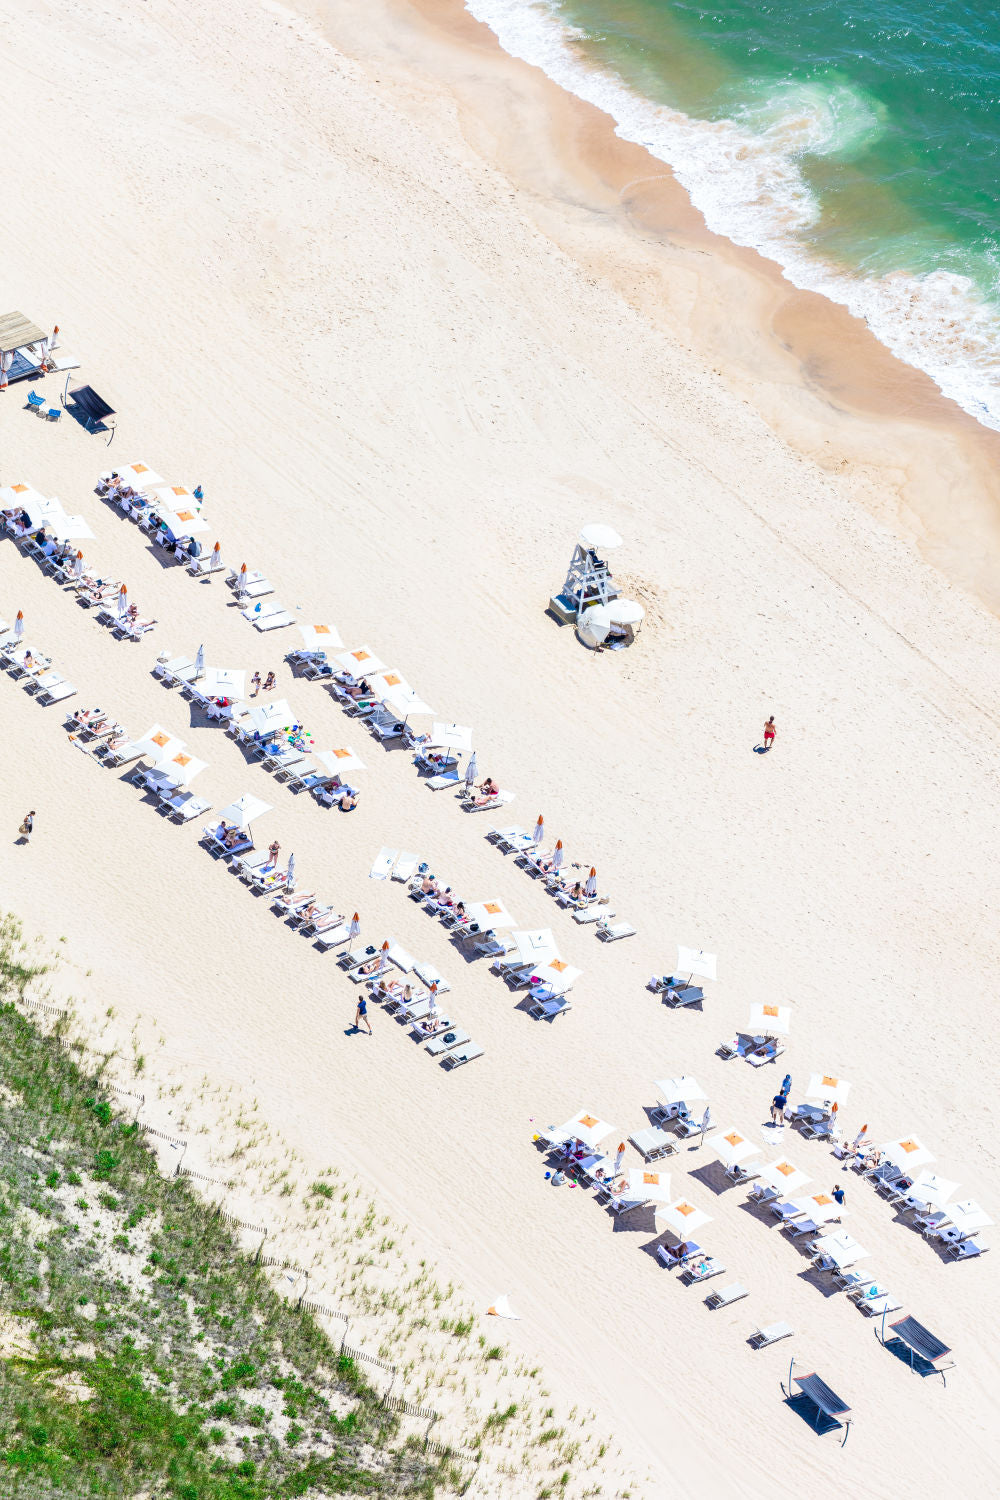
[489, 789]
[373, 965]
[359, 690]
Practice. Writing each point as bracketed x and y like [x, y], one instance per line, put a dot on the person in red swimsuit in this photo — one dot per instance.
[769, 733]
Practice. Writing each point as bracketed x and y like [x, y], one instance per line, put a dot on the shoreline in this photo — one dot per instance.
[816, 374]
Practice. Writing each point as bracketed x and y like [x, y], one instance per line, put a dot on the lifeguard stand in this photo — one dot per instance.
[589, 579]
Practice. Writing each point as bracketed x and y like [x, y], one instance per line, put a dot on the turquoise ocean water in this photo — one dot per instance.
[858, 145]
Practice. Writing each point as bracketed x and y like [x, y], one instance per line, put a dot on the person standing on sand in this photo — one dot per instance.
[769, 733]
[361, 1014]
[27, 827]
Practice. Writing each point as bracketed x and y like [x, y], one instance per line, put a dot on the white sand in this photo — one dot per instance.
[305, 290]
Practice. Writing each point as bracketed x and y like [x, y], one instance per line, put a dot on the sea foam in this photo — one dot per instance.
[744, 174]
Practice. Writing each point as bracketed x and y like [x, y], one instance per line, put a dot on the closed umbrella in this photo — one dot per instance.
[471, 772]
[78, 565]
[199, 663]
[539, 832]
[122, 601]
[354, 930]
[19, 624]
[241, 582]
[590, 889]
[290, 875]
[557, 855]
[217, 556]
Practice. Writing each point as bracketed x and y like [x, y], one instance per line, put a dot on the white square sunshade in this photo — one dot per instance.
[731, 1147]
[244, 810]
[696, 961]
[771, 1019]
[490, 914]
[682, 1217]
[583, 1127]
[361, 661]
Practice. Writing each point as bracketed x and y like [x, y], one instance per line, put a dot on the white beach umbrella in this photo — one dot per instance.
[68, 528]
[626, 612]
[932, 1189]
[645, 1186]
[783, 1176]
[266, 718]
[19, 624]
[471, 772]
[490, 914]
[770, 1019]
[732, 1147]
[396, 691]
[179, 768]
[361, 661]
[242, 812]
[842, 1249]
[290, 874]
[78, 565]
[680, 1090]
[590, 889]
[16, 496]
[819, 1207]
[39, 510]
[593, 626]
[339, 761]
[967, 1216]
[907, 1153]
[537, 946]
[320, 637]
[140, 476]
[224, 682]
[695, 961]
[199, 663]
[682, 1217]
[828, 1089]
[539, 830]
[179, 509]
[557, 976]
[450, 737]
[585, 1127]
[158, 744]
[598, 535]
[354, 930]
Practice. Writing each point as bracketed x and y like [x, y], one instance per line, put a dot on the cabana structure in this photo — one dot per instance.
[22, 347]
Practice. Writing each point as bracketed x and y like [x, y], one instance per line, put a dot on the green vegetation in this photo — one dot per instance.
[141, 1352]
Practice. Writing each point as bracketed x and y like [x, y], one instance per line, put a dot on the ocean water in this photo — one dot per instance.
[857, 145]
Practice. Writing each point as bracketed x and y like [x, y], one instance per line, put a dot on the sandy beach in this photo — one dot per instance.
[412, 317]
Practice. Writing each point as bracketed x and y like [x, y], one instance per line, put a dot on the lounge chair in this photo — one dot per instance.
[689, 994]
[443, 780]
[443, 1043]
[57, 693]
[588, 914]
[703, 1271]
[36, 402]
[405, 867]
[726, 1295]
[184, 806]
[610, 932]
[785, 1211]
[673, 1256]
[686, 1126]
[966, 1250]
[762, 1192]
[276, 617]
[652, 1143]
[773, 1333]
[766, 1054]
[459, 1055]
[547, 1010]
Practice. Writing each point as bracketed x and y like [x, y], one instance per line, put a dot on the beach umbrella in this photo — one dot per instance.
[67, 528]
[585, 1127]
[396, 691]
[819, 1207]
[450, 737]
[78, 565]
[830, 1090]
[536, 946]
[290, 874]
[217, 555]
[681, 1217]
[267, 718]
[555, 977]
[696, 961]
[244, 810]
[158, 744]
[241, 582]
[590, 889]
[471, 772]
[783, 1176]
[19, 624]
[732, 1147]
[931, 1189]
[354, 930]
[706, 1121]
[770, 1019]
[122, 600]
[598, 535]
[644, 1186]
[338, 762]
[907, 1153]
[224, 682]
[539, 831]
[320, 637]
[594, 626]
[178, 768]
[968, 1216]
[680, 1090]
[139, 475]
[558, 854]
[361, 661]
[842, 1249]
[626, 612]
[199, 663]
[490, 914]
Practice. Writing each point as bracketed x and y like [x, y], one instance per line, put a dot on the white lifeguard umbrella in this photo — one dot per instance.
[244, 810]
[968, 1216]
[450, 737]
[290, 873]
[819, 1207]
[907, 1153]
[338, 762]
[842, 1249]
[354, 930]
[158, 744]
[490, 914]
[585, 1127]
[598, 535]
[783, 1176]
[199, 663]
[681, 1090]
[320, 637]
[828, 1089]
[771, 1019]
[590, 889]
[19, 624]
[593, 626]
[696, 961]
[557, 976]
[471, 772]
[646, 1186]
[682, 1217]
[932, 1189]
[361, 661]
[179, 768]
[536, 946]
[224, 682]
[732, 1147]
[266, 718]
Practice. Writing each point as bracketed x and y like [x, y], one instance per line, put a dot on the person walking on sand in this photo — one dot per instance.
[255, 684]
[769, 733]
[27, 827]
[778, 1109]
[361, 1014]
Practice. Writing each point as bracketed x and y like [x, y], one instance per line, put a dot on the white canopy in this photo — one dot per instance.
[223, 682]
[182, 522]
[830, 1090]
[557, 975]
[243, 811]
[38, 510]
[680, 1090]
[967, 1215]
[593, 625]
[535, 947]
[646, 1186]
[819, 1207]
[907, 1153]
[320, 637]
[158, 743]
[731, 1147]
[140, 476]
[268, 717]
[842, 1249]
[599, 535]
[783, 1176]
[396, 691]
[625, 612]
[361, 661]
[67, 528]
[584, 1127]
[180, 768]
[696, 961]
[16, 496]
[490, 914]
[682, 1217]
[770, 1018]
[451, 736]
[338, 762]
[932, 1189]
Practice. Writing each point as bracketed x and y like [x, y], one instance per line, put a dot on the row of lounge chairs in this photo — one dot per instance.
[32, 670]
